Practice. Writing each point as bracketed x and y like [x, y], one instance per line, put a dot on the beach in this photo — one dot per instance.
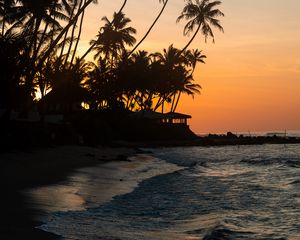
[21, 171]
[199, 193]
[188, 192]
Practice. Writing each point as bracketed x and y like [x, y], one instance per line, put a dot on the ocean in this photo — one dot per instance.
[188, 193]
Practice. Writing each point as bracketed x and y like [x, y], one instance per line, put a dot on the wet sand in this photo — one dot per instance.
[24, 170]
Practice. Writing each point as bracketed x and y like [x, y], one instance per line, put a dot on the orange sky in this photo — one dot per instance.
[251, 79]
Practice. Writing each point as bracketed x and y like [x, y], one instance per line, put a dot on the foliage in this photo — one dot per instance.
[38, 47]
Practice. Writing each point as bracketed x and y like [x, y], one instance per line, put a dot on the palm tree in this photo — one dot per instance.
[194, 56]
[12, 48]
[73, 30]
[57, 39]
[149, 30]
[32, 14]
[71, 14]
[171, 61]
[177, 75]
[113, 37]
[170, 57]
[99, 83]
[66, 84]
[5, 8]
[133, 77]
[94, 42]
[185, 86]
[78, 36]
[36, 12]
[201, 14]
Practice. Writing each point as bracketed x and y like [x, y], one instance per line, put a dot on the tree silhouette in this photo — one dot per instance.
[38, 44]
[177, 75]
[113, 37]
[95, 41]
[100, 84]
[201, 14]
[12, 48]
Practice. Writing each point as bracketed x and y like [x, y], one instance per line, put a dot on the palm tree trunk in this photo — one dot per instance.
[191, 40]
[88, 51]
[66, 34]
[157, 104]
[149, 30]
[61, 34]
[173, 102]
[72, 37]
[177, 101]
[78, 37]
[3, 25]
[30, 72]
[124, 3]
[34, 38]
[42, 38]
[130, 100]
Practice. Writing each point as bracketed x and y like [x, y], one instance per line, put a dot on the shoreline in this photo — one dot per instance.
[41, 167]
[46, 166]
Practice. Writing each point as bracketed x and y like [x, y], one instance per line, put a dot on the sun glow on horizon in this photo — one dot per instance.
[251, 77]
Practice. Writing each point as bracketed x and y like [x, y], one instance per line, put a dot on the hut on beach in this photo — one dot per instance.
[162, 118]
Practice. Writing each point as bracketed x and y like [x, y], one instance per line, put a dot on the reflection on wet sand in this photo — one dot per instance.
[93, 186]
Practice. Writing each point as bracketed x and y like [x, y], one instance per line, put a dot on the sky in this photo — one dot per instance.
[251, 79]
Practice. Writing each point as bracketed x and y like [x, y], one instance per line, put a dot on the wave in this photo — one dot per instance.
[295, 163]
[221, 232]
[224, 193]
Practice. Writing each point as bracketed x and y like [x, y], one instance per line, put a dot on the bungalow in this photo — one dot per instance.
[165, 118]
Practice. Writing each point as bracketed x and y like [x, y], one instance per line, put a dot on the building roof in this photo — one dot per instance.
[175, 115]
[156, 115]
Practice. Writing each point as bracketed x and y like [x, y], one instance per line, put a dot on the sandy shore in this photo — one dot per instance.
[24, 170]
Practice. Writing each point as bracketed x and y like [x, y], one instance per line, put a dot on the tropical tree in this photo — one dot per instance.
[94, 42]
[113, 38]
[171, 60]
[79, 35]
[133, 77]
[53, 46]
[100, 84]
[177, 71]
[43, 22]
[193, 57]
[33, 13]
[202, 15]
[71, 12]
[12, 48]
[185, 85]
[28, 16]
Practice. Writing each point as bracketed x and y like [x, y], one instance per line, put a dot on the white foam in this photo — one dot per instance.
[93, 186]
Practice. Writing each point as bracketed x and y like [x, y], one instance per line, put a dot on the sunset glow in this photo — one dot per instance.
[251, 79]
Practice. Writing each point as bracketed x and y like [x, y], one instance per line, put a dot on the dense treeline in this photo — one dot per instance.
[38, 54]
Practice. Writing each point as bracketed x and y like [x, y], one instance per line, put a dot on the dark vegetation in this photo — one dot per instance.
[42, 72]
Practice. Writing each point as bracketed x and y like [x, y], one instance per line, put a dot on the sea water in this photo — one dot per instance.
[210, 193]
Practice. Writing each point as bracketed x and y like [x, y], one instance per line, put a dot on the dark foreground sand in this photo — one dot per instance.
[24, 170]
